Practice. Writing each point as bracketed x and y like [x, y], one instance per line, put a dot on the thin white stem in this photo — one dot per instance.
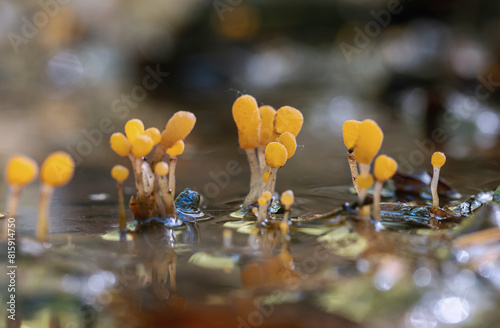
[159, 202]
[158, 154]
[171, 175]
[256, 190]
[364, 211]
[271, 184]
[137, 166]
[262, 157]
[166, 196]
[162, 184]
[434, 187]
[254, 166]
[147, 177]
[354, 170]
[362, 195]
[142, 199]
[287, 214]
[364, 168]
[14, 195]
[121, 206]
[42, 229]
[262, 217]
[377, 191]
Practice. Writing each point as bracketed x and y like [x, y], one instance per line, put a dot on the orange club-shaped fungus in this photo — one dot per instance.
[178, 127]
[155, 190]
[154, 134]
[56, 171]
[133, 129]
[120, 144]
[367, 145]
[276, 156]
[288, 119]
[120, 173]
[350, 134]
[20, 171]
[438, 159]
[247, 117]
[287, 199]
[384, 168]
[365, 182]
[267, 133]
[262, 128]
[142, 146]
[287, 139]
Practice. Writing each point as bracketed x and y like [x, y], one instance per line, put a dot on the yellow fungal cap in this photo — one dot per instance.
[20, 170]
[288, 119]
[365, 180]
[141, 146]
[178, 127]
[133, 129]
[266, 195]
[176, 149]
[161, 168]
[57, 169]
[119, 173]
[438, 159]
[350, 133]
[254, 211]
[385, 167]
[287, 139]
[276, 154]
[262, 201]
[265, 177]
[120, 144]
[154, 134]
[267, 133]
[246, 115]
[287, 198]
[370, 138]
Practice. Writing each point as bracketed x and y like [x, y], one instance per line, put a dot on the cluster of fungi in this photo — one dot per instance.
[363, 141]
[268, 137]
[154, 178]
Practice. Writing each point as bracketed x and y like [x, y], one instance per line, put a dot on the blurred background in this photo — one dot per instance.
[74, 71]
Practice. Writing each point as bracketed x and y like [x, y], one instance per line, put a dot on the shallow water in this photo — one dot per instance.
[337, 270]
